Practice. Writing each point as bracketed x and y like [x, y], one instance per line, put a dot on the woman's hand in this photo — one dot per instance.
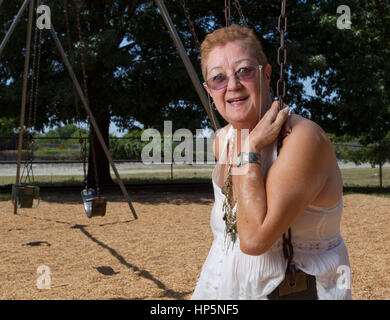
[268, 128]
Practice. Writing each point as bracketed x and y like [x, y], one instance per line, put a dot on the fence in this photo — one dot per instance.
[59, 161]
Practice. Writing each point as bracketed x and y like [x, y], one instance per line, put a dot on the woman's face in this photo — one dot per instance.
[239, 102]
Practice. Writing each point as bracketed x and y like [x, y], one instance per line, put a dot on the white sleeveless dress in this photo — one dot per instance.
[319, 250]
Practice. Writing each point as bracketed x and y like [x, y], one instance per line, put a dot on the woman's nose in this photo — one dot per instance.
[233, 83]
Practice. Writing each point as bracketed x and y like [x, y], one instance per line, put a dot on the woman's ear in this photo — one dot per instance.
[206, 88]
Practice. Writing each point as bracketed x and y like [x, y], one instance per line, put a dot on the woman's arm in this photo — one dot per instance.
[266, 209]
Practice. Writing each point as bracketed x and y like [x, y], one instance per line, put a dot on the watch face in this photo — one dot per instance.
[239, 159]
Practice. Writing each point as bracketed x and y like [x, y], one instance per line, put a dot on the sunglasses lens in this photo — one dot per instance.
[220, 81]
[218, 84]
[247, 74]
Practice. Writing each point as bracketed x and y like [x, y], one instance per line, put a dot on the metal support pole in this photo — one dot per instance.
[24, 94]
[91, 117]
[13, 25]
[187, 63]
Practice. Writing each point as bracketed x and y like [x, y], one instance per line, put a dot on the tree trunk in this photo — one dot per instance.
[380, 174]
[102, 163]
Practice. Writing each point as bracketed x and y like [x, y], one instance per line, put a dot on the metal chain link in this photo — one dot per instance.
[227, 12]
[281, 83]
[288, 249]
[37, 77]
[33, 74]
[238, 7]
[92, 141]
[33, 101]
[69, 40]
[83, 144]
[190, 23]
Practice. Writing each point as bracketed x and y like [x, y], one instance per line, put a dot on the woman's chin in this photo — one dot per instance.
[242, 119]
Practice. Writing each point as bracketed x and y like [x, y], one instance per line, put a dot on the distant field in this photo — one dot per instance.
[365, 176]
[129, 175]
[351, 176]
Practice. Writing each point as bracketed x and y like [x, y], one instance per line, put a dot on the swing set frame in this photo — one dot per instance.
[76, 86]
[179, 45]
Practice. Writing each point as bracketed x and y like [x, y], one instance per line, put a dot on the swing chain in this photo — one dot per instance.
[83, 151]
[190, 23]
[76, 101]
[92, 142]
[91, 136]
[227, 12]
[82, 142]
[39, 2]
[33, 101]
[238, 7]
[281, 83]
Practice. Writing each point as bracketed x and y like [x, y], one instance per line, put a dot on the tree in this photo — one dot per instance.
[136, 76]
[7, 127]
[105, 30]
[375, 153]
[7, 133]
[351, 70]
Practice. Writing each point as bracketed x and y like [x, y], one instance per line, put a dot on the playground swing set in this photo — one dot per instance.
[296, 284]
[24, 193]
[27, 195]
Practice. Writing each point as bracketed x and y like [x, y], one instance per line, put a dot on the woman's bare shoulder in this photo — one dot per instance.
[310, 143]
[307, 140]
[315, 139]
[307, 126]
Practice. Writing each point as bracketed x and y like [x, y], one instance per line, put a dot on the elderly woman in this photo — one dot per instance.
[259, 195]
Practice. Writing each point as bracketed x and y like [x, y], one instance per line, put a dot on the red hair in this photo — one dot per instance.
[232, 33]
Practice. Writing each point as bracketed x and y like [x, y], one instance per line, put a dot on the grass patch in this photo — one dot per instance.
[356, 180]
[365, 177]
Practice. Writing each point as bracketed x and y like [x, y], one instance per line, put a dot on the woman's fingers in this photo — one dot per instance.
[273, 111]
[267, 130]
[281, 117]
[276, 117]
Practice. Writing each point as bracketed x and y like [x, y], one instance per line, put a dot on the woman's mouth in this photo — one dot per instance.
[237, 101]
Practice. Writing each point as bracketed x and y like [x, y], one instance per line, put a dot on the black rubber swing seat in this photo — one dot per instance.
[27, 196]
[94, 206]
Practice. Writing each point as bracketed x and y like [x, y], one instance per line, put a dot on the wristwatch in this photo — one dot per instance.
[248, 157]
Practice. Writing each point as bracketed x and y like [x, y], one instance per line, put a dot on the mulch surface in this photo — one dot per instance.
[158, 256]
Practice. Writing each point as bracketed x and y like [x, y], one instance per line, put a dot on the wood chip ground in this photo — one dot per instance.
[158, 256]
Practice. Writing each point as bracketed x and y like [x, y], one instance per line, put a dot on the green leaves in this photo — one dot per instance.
[146, 82]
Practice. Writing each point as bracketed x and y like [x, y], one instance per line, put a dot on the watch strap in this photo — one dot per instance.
[248, 157]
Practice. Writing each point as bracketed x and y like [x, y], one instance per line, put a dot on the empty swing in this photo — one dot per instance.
[26, 194]
[94, 203]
